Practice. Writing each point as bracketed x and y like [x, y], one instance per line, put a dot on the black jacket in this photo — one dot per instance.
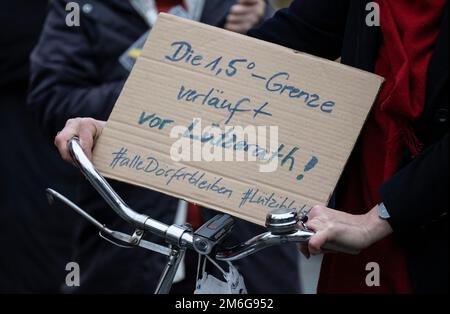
[417, 196]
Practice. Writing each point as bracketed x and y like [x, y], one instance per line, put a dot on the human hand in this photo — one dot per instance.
[244, 15]
[86, 129]
[355, 232]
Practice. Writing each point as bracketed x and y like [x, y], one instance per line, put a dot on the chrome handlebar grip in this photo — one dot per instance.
[261, 242]
[269, 239]
[283, 228]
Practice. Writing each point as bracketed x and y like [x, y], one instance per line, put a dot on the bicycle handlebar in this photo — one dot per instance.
[282, 224]
[282, 227]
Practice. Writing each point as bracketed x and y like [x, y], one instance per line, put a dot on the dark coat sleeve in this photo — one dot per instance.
[313, 26]
[63, 75]
[418, 194]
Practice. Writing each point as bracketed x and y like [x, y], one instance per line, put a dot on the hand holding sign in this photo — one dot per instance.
[86, 129]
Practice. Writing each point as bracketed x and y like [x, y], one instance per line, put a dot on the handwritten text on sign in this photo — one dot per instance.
[198, 88]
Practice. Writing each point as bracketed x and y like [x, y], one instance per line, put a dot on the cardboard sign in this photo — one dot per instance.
[294, 117]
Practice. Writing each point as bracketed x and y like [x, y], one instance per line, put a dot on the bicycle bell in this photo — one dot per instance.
[282, 221]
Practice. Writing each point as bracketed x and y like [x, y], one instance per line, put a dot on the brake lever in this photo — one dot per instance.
[131, 241]
[113, 242]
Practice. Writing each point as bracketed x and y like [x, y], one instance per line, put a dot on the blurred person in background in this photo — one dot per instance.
[79, 72]
[36, 239]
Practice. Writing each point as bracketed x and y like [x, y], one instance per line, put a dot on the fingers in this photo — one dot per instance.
[338, 228]
[245, 7]
[247, 21]
[69, 131]
[249, 2]
[241, 23]
[319, 222]
[244, 15]
[240, 28]
[88, 133]
[317, 211]
[86, 129]
[316, 242]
